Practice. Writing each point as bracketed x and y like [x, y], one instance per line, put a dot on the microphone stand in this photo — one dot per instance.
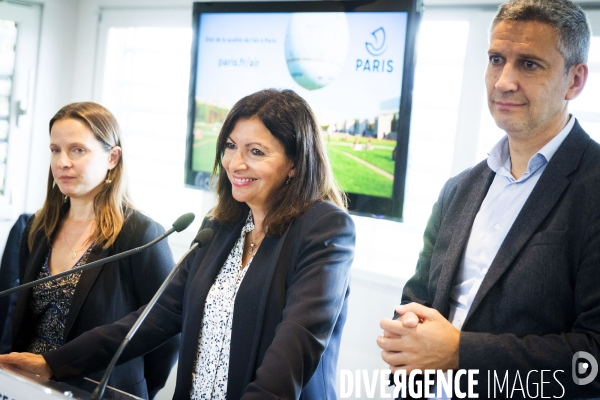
[202, 238]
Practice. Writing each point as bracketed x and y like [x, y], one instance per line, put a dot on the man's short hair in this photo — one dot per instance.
[568, 20]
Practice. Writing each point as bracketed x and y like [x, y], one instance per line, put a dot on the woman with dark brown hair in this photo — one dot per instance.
[88, 215]
[261, 310]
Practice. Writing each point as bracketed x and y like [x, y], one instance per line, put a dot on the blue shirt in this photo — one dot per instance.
[501, 206]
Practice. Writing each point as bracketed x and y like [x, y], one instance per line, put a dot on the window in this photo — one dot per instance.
[19, 38]
[146, 86]
[8, 41]
[142, 76]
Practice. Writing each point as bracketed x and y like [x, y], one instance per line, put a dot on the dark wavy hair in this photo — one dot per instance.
[291, 121]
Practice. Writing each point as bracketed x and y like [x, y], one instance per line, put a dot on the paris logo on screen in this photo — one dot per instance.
[377, 47]
[375, 61]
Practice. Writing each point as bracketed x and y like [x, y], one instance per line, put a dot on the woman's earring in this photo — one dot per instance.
[53, 183]
[288, 180]
[108, 180]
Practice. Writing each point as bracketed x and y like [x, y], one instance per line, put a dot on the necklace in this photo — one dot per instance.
[253, 246]
[73, 252]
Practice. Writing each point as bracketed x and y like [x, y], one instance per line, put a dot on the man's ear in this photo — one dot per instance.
[577, 78]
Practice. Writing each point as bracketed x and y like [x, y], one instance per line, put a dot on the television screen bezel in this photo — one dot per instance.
[413, 9]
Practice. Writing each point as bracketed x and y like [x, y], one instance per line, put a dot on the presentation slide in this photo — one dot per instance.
[348, 66]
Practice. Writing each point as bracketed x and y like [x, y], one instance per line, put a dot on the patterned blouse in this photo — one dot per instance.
[209, 380]
[50, 304]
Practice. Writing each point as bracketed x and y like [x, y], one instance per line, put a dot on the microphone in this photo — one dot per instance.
[203, 238]
[180, 224]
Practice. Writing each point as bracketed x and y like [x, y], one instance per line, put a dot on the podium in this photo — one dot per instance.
[20, 385]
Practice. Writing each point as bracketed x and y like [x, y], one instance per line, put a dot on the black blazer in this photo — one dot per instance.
[106, 294]
[539, 303]
[9, 274]
[288, 314]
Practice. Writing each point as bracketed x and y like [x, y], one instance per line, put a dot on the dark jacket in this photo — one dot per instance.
[539, 302]
[288, 314]
[106, 294]
[9, 277]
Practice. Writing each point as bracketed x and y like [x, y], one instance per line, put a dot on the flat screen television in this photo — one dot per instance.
[353, 61]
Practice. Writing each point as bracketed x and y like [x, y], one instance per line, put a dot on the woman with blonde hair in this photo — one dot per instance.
[87, 216]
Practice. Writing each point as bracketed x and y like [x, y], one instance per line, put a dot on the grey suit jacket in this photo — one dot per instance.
[539, 303]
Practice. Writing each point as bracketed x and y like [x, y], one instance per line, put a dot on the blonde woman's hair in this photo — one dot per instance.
[112, 205]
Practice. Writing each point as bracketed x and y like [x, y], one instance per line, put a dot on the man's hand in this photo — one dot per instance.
[420, 339]
[32, 363]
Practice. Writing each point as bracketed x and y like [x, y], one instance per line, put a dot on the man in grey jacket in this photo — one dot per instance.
[508, 281]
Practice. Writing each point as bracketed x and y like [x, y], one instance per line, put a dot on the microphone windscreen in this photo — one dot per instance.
[183, 222]
[204, 237]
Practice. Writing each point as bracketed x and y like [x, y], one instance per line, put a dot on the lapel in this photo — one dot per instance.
[249, 312]
[469, 196]
[86, 280]
[201, 279]
[546, 193]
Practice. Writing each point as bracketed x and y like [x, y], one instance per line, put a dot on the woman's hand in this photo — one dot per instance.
[32, 363]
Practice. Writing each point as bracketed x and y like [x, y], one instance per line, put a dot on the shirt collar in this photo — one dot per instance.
[499, 156]
[550, 148]
[249, 225]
